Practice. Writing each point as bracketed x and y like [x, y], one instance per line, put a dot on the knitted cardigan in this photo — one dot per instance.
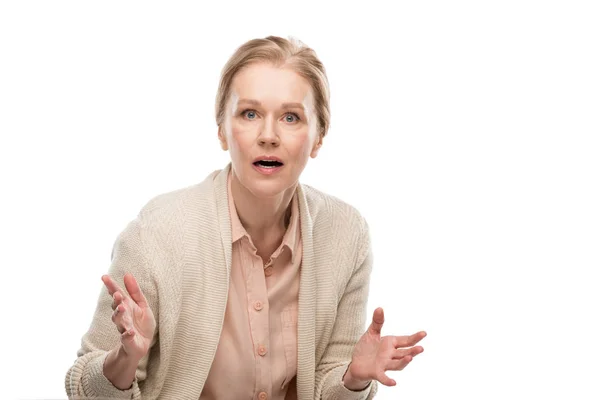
[179, 250]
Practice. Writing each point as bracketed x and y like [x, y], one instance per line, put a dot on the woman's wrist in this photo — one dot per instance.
[352, 383]
[120, 368]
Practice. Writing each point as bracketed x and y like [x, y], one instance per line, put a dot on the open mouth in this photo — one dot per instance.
[268, 164]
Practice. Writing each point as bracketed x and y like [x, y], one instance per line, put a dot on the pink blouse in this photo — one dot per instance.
[256, 356]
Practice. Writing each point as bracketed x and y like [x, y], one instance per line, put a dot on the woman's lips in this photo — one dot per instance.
[267, 170]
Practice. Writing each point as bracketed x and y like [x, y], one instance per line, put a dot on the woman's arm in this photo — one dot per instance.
[86, 378]
[348, 328]
[120, 368]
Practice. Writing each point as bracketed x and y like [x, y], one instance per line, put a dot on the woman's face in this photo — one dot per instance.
[270, 113]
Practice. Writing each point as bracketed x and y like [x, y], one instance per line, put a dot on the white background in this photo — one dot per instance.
[466, 132]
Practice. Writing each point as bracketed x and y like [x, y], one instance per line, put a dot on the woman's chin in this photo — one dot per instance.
[267, 186]
[268, 191]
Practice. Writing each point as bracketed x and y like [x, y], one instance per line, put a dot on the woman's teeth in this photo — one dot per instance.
[268, 164]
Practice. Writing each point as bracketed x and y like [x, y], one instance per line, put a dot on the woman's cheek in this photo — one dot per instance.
[243, 128]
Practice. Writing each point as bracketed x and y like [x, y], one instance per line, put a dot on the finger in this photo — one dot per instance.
[117, 318]
[407, 341]
[398, 365]
[117, 299]
[134, 291]
[385, 380]
[377, 323]
[411, 351]
[127, 335]
[110, 284]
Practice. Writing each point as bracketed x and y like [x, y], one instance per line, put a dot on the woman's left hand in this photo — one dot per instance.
[373, 355]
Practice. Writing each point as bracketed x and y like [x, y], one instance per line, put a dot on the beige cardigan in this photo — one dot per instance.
[179, 250]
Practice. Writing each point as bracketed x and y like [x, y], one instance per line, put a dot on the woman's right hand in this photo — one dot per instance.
[132, 315]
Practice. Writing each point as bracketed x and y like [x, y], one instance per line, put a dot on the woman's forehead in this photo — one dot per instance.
[270, 86]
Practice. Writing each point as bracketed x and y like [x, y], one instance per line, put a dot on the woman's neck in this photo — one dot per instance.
[265, 219]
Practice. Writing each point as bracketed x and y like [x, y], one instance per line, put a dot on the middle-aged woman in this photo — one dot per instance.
[247, 285]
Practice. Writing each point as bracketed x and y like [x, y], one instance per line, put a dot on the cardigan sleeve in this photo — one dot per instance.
[85, 378]
[347, 330]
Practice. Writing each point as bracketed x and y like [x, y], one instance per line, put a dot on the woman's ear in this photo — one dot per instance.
[317, 146]
[222, 139]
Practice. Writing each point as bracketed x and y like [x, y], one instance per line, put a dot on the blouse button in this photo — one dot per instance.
[269, 271]
[262, 396]
[258, 305]
[262, 350]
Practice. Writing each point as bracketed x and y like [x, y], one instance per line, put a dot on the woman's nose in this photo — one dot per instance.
[272, 141]
[268, 135]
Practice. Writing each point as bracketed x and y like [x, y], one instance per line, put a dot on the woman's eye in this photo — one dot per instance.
[249, 114]
[291, 118]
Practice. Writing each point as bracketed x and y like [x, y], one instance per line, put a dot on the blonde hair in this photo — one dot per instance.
[280, 52]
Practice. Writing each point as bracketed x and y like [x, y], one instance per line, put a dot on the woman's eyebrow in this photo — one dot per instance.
[284, 105]
[292, 105]
[251, 101]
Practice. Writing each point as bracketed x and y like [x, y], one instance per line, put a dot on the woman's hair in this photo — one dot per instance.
[280, 52]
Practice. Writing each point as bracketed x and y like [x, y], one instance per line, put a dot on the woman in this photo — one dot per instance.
[248, 284]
